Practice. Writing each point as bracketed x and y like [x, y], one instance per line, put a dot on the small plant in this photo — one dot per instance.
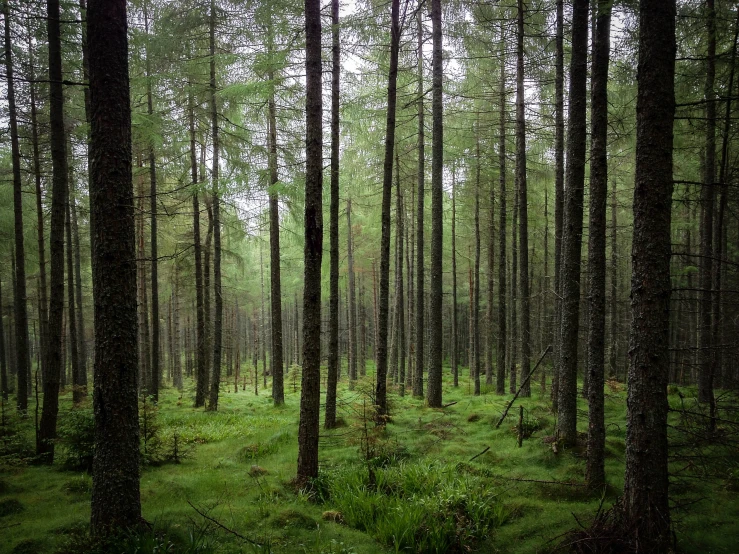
[76, 436]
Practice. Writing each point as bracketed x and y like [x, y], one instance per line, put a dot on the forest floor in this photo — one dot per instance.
[435, 480]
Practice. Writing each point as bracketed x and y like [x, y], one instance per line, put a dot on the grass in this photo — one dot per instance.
[417, 486]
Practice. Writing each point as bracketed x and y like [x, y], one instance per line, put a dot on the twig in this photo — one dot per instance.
[523, 383]
[450, 404]
[219, 524]
[480, 454]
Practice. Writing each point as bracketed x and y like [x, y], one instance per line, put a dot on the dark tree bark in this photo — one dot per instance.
[278, 388]
[43, 299]
[646, 480]
[310, 397]
[352, 300]
[559, 179]
[454, 347]
[20, 303]
[514, 346]
[476, 293]
[333, 310]
[387, 184]
[595, 470]
[4, 385]
[705, 264]
[78, 392]
[523, 216]
[572, 225]
[502, 292]
[420, 275]
[116, 501]
[47, 426]
[81, 342]
[201, 371]
[400, 214]
[155, 370]
[433, 396]
[217, 289]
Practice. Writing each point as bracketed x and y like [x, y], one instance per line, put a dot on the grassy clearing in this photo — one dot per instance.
[419, 485]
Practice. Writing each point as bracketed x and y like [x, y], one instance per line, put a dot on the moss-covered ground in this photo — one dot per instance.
[422, 484]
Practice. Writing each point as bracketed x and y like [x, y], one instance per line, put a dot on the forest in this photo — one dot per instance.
[367, 276]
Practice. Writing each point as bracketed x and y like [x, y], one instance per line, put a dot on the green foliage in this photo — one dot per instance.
[421, 507]
[76, 437]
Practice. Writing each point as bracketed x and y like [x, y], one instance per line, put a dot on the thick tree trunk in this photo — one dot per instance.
[217, 289]
[646, 481]
[333, 310]
[433, 396]
[523, 216]
[572, 226]
[116, 502]
[595, 470]
[310, 398]
[387, 184]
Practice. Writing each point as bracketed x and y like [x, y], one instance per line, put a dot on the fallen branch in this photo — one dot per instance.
[450, 404]
[523, 383]
[480, 454]
[219, 524]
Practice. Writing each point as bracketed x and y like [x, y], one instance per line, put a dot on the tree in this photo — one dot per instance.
[310, 397]
[433, 393]
[387, 188]
[572, 225]
[420, 278]
[501, 361]
[646, 481]
[116, 501]
[595, 471]
[333, 315]
[59, 192]
[21, 310]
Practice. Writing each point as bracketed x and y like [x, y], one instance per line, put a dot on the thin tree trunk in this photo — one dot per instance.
[47, 426]
[523, 216]
[502, 292]
[434, 392]
[401, 294]
[420, 275]
[352, 300]
[218, 317]
[455, 327]
[155, 370]
[77, 390]
[559, 177]
[333, 310]
[278, 388]
[476, 295]
[513, 359]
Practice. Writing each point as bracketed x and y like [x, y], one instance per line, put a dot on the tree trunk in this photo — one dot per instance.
[559, 178]
[502, 292]
[116, 502]
[201, 371]
[77, 391]
[455, 327]
[523, 216]
[47, 426]
[333, 310]
[20, 303]
[595, 469]
[572, 226]
[434, 393]
[4, 385]
[217, 292]
[310, 398]
[646, 481]
[278, 388]
[387, 183]
[352, 300]
[155, 370]
[420, 275]
[514, 346]
[401, 294]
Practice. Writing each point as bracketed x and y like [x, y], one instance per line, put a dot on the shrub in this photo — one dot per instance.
[76, 436]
